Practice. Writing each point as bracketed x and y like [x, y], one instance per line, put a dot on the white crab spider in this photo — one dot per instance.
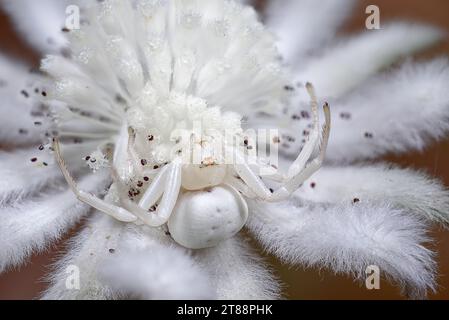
[203, 206]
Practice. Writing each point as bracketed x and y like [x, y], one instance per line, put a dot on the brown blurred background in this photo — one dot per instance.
[26, 283]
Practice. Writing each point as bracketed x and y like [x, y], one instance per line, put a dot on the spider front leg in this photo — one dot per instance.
[95, 202]
[295, 181]
[299, 172]
[314, 138]
[167, 184]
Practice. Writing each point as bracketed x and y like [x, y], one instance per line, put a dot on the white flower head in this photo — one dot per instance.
[160, 93]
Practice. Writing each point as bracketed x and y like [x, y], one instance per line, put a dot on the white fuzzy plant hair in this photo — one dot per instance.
[139, 68]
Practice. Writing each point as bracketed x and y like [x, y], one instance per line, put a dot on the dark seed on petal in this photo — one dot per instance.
[25, 93]
[356, 200]
[345, 115]
[305, 115]
[120, 99]
[34, 113]
[33, 159]
[111, 250]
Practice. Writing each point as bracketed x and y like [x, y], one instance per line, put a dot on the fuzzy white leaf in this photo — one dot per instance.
[395, 112]
[157, 272]
[87, 250]
[33, 225]
[237, 273]
[343, 66]
[20, 177]
[26, 171]
[302, 26]
[403, 188]
[347, 239]
[39, 21]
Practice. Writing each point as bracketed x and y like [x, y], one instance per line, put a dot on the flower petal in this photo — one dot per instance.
[39, 21]
[404, 188]
[21, 177]
[346, 65]
[237, 273]
[396, 112]
[296, 22]
[17, 99]
[87, 250]
[156, 272]
[25, 172]
[34, 224]
[93, 254]
[347, 239]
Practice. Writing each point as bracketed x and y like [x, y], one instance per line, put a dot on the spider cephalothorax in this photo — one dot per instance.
[164, 110]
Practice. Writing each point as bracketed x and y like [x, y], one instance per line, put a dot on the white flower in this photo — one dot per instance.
[115, 92]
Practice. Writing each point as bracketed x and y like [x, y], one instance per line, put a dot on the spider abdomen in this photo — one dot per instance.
[203, 219]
